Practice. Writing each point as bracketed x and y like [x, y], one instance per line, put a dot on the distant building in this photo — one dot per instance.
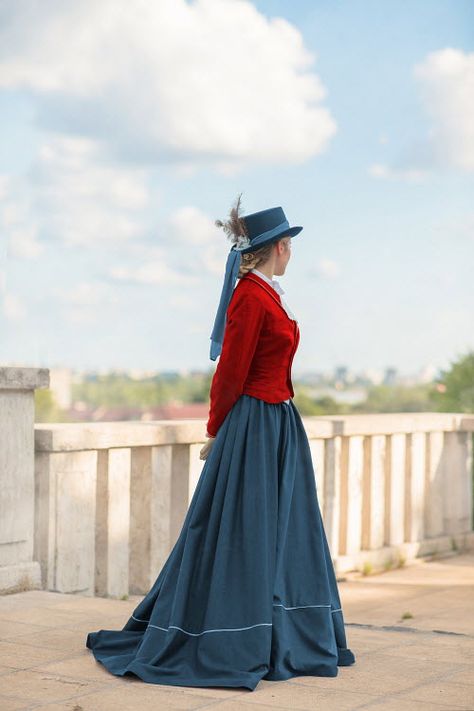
[390, 376]
[340, 374]
[60, 380]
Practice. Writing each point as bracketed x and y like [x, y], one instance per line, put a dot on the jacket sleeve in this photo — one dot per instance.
[245, 316]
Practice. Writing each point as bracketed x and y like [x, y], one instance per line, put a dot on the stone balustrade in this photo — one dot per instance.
[110, 498]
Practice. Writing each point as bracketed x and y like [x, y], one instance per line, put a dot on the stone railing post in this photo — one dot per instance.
[18, 570]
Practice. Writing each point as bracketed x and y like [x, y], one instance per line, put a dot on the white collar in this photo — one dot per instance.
[273, 282]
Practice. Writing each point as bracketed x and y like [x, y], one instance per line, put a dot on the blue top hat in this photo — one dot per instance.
[267, 226]
[262, 228]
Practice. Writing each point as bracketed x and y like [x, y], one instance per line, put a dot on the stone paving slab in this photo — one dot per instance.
[402, 664]
[439, 594]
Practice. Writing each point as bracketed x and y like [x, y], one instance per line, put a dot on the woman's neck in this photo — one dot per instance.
[266, 272]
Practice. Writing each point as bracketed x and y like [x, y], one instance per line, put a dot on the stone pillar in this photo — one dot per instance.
[332, 493]
[415, 488]
[350, 524]
[457, 510]
[395, 490]
[163, 482]
[434, 485]
[373, 515]
[18, 569]
[317, 447]
[150, 514]
[180, 491]
[112, 544]
[66, 488]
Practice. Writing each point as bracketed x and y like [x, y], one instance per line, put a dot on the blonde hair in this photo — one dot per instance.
[252, 260]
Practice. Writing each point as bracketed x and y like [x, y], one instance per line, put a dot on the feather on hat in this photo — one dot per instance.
[235, 227]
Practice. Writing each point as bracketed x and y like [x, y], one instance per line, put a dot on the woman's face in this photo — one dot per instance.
[283, 254]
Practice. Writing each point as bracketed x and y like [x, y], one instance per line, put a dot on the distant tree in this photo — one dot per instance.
[46, 408]
[309, 406]
[395, 398]
[454, 387]
[202, 387]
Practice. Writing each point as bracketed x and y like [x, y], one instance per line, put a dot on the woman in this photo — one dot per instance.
[248, 591]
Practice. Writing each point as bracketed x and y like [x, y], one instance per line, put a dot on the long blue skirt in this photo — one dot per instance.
[248, 591]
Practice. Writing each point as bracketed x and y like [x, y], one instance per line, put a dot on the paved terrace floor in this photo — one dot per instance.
[412, 630]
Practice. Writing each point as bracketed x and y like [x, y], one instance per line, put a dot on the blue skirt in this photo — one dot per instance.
[248, 591]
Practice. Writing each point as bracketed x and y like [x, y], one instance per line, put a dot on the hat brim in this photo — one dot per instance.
[293, 231]
[289, 232]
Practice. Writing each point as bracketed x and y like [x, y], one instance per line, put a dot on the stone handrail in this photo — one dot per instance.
[111, 497]
[95, 508]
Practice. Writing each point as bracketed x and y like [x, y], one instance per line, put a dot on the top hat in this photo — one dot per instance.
[266, 226]
[261, 228]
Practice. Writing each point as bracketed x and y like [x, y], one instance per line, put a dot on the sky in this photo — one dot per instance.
[128, 127]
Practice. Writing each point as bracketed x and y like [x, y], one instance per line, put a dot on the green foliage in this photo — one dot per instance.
[46, 409]
[454, 389]
[380, 398]
[401, 560]
[367, 568]
[114, 390]
[395, 398]
[309, 406]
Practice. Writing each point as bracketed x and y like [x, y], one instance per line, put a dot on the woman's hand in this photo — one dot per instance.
[206, 448]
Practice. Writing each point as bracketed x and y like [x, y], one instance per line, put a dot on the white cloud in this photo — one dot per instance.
[190, 248]
[154, 269]
[85, 294]
[13, 307]
[70, 194]
[411, 175]
[24, 242]
[81, 315]
[326, 268]
[205, 246]
[83, 302]
[446, 83]
[183, 300]
[213, 81]
[192, 227]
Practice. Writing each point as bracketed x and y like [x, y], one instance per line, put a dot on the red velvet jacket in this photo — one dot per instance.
[260, 340]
